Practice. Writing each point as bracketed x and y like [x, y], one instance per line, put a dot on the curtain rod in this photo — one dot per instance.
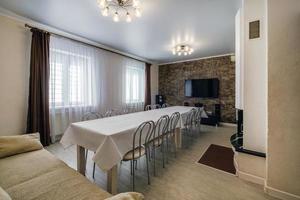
[51, 33]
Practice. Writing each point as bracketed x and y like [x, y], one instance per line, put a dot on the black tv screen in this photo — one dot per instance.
[202, 88]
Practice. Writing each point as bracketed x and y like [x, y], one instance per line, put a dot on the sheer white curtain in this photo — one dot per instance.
[84, 78]
[135, 84]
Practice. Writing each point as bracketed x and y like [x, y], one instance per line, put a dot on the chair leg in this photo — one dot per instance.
[131, 165]
[167, 152]
[154, 169]
[135, 162]
[175, 148]
[163, 152]
[192, 135]
[132, 169]
[86, 154]
[94, 167]
[147, 163]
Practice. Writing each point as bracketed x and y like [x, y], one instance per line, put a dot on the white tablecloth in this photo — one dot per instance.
[111, 138]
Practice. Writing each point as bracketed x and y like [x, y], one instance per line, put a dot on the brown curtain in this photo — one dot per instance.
[148, 85]
[38, 100]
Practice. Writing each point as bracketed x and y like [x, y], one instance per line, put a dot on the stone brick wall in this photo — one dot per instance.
[173, 76]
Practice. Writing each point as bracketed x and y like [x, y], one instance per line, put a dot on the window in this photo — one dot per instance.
[68, 80]
[135, 85]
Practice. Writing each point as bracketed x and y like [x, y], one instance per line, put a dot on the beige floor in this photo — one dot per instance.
[183, 178]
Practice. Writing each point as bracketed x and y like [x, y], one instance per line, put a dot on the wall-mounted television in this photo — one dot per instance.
[202, 88]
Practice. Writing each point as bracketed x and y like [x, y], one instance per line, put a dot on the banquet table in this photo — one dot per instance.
[111, 138]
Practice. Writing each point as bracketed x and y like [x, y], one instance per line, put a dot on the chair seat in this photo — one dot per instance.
[138, 152]
[157, 141]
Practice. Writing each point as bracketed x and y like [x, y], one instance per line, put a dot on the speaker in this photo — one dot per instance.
[159, 99]
[240, 122]
[218, 112]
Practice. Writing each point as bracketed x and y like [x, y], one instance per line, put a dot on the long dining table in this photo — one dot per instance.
[111, 138]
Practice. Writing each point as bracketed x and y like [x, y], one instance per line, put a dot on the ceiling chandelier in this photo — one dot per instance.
[182, 50]
[120, 8]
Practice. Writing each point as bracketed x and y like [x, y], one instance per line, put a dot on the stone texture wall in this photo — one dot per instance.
[173, 76]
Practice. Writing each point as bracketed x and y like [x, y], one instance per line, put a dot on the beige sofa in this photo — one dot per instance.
[37, 174]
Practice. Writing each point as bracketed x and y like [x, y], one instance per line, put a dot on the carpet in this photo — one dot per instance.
[219, 157]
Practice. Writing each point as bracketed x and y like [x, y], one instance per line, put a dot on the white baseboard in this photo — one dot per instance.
[280, 194]
[245, 176]
[251, 178]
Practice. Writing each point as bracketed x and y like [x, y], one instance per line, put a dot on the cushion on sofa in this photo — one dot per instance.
[23, 167]
[12, 145]
[127, 196]
[40, 175]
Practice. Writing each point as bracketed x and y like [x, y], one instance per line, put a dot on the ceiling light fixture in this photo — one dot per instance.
[182, 50]
[120, 8]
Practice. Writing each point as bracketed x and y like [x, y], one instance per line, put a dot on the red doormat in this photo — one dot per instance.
[219, 157]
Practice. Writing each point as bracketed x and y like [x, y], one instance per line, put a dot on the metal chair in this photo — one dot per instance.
[90, 116]
[140, 147]
[188, 122]
[155, 106]
[165, 105]
[148, 107]
[111, 112]
[171, 132]
[198, 117]
[125, 111]
[159, 137]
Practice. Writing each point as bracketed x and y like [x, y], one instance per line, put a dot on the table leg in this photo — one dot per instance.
[81, 160]
[178, 138]
[112, 180]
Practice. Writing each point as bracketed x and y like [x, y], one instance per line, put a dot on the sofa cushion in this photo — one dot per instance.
[61, 184]
[4, 195]
[23, 167]
[12, 145]
[39, 175]
[127, 196]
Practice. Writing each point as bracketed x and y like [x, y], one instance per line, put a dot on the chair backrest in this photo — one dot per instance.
[190, 118]
[198, 114]
[90, 116]
[148, 107]
[111, 112]
[155, 106]
[165, 105]
[108, 113]
[142, 136]
[125, 111]
[174, 121]
[161, 127]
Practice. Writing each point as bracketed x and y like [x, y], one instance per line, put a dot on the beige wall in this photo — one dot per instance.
[255, 78]
[14, 73]
[283, 162]
[154, 82]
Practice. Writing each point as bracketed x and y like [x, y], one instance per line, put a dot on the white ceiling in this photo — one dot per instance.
[207, 25]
